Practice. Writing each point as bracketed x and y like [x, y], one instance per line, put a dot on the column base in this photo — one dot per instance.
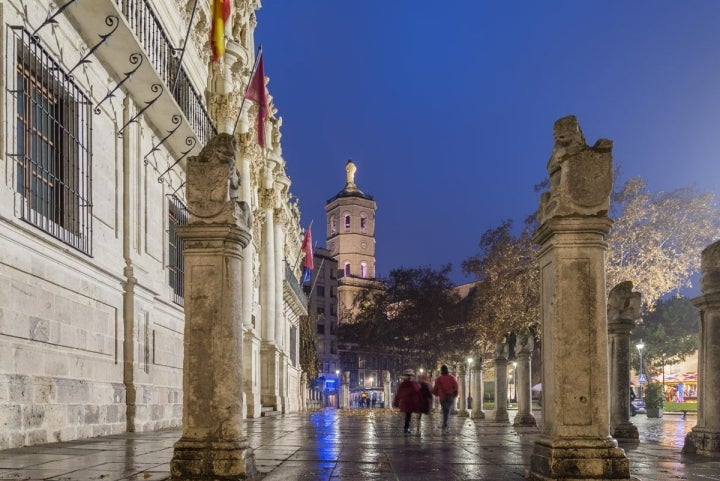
[212, 461]
[501, 416]
[702, 442]
[578, 459]
[524, 420]
[626, 433]
[477, 414]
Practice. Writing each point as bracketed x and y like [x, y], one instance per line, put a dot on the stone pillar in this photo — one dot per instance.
[704, 438]
[477, 389]
[623, 312]
[213, 445]
[280, 323]
[270, 359]
[501, 404]
[387, 388]
[303, 391]
[523, 384]
[462, 392]
[575, 442]
[345, 391]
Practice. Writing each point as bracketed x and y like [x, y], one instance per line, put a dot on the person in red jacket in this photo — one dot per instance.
[446, 389]
[407, 397]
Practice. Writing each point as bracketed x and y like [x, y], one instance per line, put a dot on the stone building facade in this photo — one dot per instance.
[100, 113]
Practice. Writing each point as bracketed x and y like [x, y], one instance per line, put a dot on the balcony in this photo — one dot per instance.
[293, 293]
[140, 31]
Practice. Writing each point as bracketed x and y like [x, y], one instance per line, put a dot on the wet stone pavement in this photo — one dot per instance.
[357, 444]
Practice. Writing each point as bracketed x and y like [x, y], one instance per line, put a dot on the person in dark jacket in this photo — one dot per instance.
[425, 398]
[407, 397]
[446, 389]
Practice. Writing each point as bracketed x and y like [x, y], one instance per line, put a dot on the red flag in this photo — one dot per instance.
[307, 249]
[256, 92]
[220, 16]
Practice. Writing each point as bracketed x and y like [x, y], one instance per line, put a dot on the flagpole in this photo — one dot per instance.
[252, 74]
[312, 286]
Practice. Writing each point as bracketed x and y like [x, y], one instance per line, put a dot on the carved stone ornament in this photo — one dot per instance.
[580, 176]
[212, 185]
[623, 303]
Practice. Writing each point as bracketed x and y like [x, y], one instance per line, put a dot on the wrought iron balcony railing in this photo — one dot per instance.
[164, 58]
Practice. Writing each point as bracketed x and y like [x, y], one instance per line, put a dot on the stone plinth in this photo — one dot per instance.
[213, 445]
[704, 438]
[523, 348]
[476, 389]
[623, 311]
[345, 391]
[575, 442]
[501, 401]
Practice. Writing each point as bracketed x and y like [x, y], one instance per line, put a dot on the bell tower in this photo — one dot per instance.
[351, 239]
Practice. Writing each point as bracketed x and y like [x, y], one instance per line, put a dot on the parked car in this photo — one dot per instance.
[637, 406]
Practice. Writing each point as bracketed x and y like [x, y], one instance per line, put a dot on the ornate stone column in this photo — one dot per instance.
[623, 311]
[704, 438]
[345, 391]
[268, 352]
[523, 349]
[501, 360]
[575, 442]
[478, 389]
[213, 445]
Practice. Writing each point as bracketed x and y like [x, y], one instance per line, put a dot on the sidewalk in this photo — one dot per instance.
[357, 444]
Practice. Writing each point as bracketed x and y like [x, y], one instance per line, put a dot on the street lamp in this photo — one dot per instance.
[469, 389]
[640, 346]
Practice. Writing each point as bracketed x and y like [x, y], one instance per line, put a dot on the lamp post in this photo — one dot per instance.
[469, 387]
[640, 347]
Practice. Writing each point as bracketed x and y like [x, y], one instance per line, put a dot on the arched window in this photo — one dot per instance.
[333, 224]
[347, 269]
[363, 221]
[347, 220]
[363, 270]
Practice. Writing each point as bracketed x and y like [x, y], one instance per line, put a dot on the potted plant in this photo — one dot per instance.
[654, 399]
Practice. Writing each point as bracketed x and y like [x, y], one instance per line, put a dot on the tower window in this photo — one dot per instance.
[347, 221]
[333, 224]
[363, 222]
[363, 270]
[347, 269]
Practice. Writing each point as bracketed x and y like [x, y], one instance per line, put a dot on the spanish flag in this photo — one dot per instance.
[220, 16]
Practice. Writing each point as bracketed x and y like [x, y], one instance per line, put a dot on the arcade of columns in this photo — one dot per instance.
[267, 311]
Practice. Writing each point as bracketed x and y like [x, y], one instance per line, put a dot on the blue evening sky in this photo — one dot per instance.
[447, 107]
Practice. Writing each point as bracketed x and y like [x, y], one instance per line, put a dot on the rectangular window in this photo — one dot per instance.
[293, 345]
[52, 151]
[321, 328]
[320, 311]
[320, 290]
[177, 216]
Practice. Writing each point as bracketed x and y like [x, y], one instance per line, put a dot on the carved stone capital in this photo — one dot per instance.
[580, 176]
[212, 185]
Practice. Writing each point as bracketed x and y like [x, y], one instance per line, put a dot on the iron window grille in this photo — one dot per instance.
[178, 216]
[53, 157]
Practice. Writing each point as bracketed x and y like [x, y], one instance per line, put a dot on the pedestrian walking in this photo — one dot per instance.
[425, 399]
[407, 397]
[446, 389]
